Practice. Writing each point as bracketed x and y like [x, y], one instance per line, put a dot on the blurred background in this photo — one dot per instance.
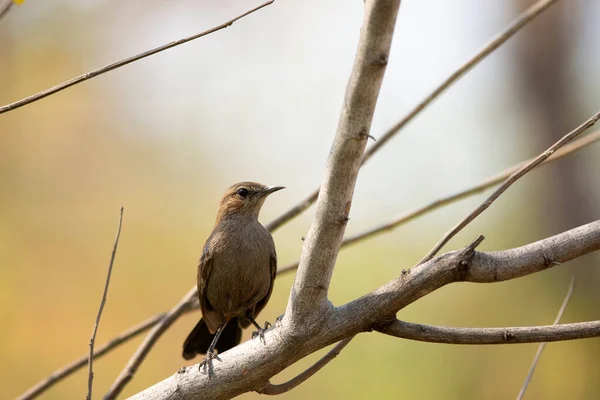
[165, 136]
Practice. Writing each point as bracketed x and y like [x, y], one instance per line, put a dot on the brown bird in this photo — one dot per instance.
[236, 272]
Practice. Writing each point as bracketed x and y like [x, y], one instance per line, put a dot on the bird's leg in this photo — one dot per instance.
[261, 331]
[210, 353]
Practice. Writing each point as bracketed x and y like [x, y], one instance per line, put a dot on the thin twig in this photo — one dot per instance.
[542, 346]
[522, 20]
[67, 370]
[136, 360]
[102, 302]
[5, 7]
[508, 183]
[271, 389]
[463, 194]
[125, 61]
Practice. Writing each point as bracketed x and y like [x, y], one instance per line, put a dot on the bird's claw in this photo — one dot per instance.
[205, 365]
[261, 332]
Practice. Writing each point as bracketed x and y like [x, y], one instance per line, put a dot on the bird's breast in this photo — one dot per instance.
[241, 270]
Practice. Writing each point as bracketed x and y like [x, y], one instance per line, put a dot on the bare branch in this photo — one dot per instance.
[67, 370]
[102, 302]
[542, 346]
[136, 360]
[271, 389]
[251, 364]
[486, 336]
[333, 205]
[461, 266]
[522, 20]
[508, 183]
[463, 194]
[125, 61]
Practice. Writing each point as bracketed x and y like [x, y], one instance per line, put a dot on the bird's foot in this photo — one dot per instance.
[206, 365]
[261, 332]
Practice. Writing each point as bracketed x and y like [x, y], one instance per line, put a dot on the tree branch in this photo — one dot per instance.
[251, 364]
[486, 336]
[308, 300]
[508, 183]
[383, 303]
[522, 20]
[102, 302]
[272, 389]
[125, 61]
[542, 346]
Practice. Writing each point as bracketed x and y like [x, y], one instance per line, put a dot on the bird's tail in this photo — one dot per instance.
[200, 339]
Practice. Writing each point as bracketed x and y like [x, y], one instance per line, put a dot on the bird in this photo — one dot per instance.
[236, 273]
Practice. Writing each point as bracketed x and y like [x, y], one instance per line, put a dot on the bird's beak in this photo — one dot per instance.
[272, 189]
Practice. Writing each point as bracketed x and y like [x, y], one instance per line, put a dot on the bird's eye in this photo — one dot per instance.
[243, 193]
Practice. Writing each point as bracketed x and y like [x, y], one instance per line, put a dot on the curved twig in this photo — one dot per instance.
[272, 389]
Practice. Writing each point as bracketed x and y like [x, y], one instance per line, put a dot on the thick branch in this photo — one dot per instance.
[476, 336]
[322, 244]
[251, 364]
[411, 285]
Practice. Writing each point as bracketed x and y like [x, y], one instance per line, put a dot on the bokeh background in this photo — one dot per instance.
[164, 137]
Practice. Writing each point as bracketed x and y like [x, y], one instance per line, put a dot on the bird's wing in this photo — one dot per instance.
[273, 264]
[204, 271]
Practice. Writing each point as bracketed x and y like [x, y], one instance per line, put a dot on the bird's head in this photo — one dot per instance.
[244, 199]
